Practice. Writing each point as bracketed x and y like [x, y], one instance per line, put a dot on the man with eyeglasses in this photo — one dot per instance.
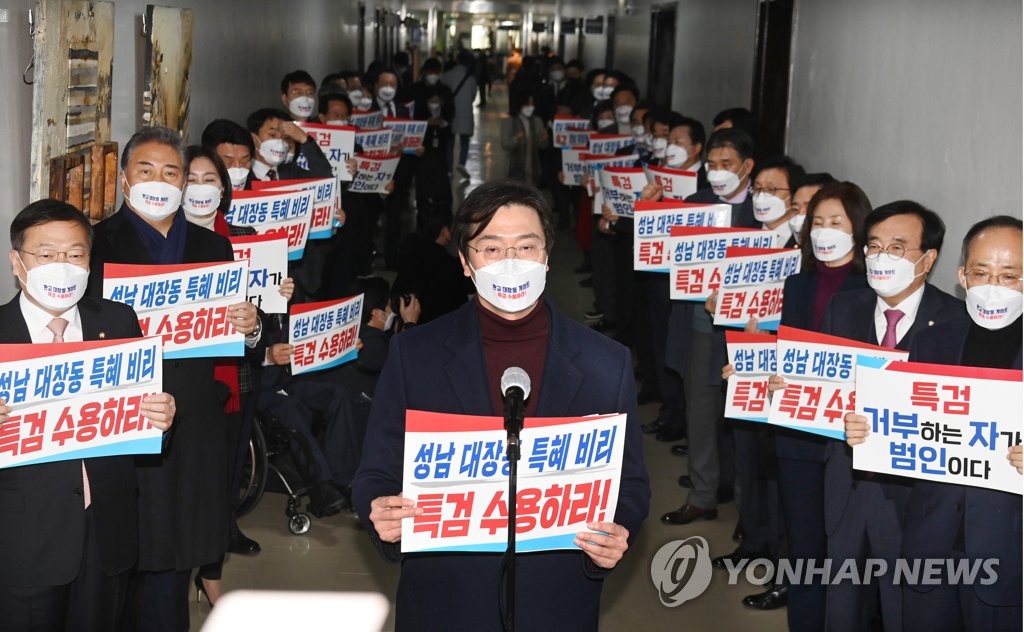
[68, 529]
[946, 520]
[453, 364]
[864, 512]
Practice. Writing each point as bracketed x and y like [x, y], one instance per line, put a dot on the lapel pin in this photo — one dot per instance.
[931, 322]
[103, 334]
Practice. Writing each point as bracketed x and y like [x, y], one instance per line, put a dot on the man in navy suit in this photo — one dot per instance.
[68, 529]
[864, 513]
[945, 520]
[453, 364]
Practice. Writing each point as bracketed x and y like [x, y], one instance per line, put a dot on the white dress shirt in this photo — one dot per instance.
[37, 319]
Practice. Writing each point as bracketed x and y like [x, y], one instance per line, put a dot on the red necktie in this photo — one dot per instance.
[57, 326]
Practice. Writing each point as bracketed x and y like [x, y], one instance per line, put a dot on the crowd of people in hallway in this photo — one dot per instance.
[864, 276]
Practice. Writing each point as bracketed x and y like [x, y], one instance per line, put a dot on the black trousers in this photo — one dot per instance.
[158, 602]
[93, 601]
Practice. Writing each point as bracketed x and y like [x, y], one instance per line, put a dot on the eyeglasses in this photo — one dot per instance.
[984, 277]
[76, 256]
[492, 253]
[769, 190]
[895, 251]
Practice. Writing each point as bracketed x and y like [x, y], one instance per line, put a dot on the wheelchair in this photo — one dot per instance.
[269, 461]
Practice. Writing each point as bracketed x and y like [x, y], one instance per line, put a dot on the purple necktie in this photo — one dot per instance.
[892, 316]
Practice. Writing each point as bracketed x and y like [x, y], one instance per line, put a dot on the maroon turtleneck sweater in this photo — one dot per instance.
[522, 343]
[829, 282]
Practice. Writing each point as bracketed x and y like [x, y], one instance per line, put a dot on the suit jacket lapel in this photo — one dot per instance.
[864, 320]
[466, 371]
[562, 378]
[930, 306]
[88, 310]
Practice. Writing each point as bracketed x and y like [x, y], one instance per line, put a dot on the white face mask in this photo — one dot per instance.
[274, 151]
[386, 93]
[622, 114]
[723, 182]
[289, 156]
[675, 156]
[768, 208]
[365, 103]
[432, 79]
[356, 96]
[887, 277]
[557, 75]
[200, 203]
[238, 176]
[994, 306]
[510, 285]
[659, 146]
[435, 109]
[598, 93]
[830, 244]
[389, 320]
[606, 92]
[155, 200]
[638, 133]
[796, 224]
[56, 286]
[527, 110]
[301, 107]
[604, 124]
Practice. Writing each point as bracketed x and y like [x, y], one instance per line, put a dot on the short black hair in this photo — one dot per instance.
[599, 109]
[221, 131]
[155, 134]
[697, 136]
[400, 58]
[297, 76]
[432, 63]
[479, 207]
[435, 223]
[518, 98]
[44, 212]
[794, 172]
[932, 227]
[625, 86]
[820, 179]
[593, 73]
[201, 151]
[376, 294]
[575, 63]
[663, 116]
[732, 137]
[857, 206]
[996, 221]
[257, 119]
[741, 118]
[325, 101]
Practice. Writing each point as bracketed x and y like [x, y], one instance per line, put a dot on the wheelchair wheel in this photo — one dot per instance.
[299, 524]
[254, 472]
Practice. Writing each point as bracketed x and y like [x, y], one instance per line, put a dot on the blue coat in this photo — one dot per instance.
[439, 366]
[852, 315]
[991, 519]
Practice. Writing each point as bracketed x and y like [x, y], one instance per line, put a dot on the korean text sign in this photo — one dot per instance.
[652, 229]
[820, 373]
[268, 268]
[752, 284]
[78, 400]
[457, 471]
[566, 129]
[276, 213]
[374, 139]
[410, 131]
[753, 357]
[367, 119]
[337, 142]
[675, 184]
[374, 171]
[940, 423]
[326, 201]
[594, 163]
[697, 253]
[186, 304]
[609, 143]
[324, 334]
[572, 166]
[622, 187]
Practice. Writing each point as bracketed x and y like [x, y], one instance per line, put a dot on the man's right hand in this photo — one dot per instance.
[387, 513]
[776, 383]
[280, 354]
[857, 428]
[5, 411]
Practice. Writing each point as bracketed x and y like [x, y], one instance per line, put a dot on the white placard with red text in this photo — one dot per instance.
[609, 143]
[676, 184]
[78, 400]
[565, 129]
[338, 144]
[186, 304]
[268, 268]
[622, 187]
[573, 167]
[374, 172]
[374, 140]
[949, 424]
[594, 163]
[326, 201]
[753, 357]
[697, 252]
[652, 228]
[410, 131]
[275, 213]
[752, 284]
[324, 334]
[456, 470]
[820, 373]
[367, 119]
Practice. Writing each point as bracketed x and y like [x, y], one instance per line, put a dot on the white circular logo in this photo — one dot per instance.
[681, 570]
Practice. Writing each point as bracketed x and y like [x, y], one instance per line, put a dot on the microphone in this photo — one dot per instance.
[515, 388]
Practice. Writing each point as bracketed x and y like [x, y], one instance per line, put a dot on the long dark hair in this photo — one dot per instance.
[198, 151]
[857, 207]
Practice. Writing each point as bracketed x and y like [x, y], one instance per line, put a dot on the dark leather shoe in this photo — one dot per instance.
[687, 514]
[774, 597]
[603, 325]
[671, 434]
[680, 450]
[239, 544]
[327, 499]
[686, 481]
[655, 426]
[737, 559]
[725, 495]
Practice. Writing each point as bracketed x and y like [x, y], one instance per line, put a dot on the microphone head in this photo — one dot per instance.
[515, 376]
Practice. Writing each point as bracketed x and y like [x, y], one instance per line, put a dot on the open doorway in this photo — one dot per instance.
[662, 55]
[770, 98]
